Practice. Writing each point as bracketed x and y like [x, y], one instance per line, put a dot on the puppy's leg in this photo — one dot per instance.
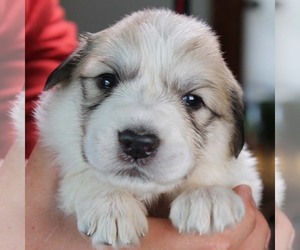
[108, 215]
[206, 210]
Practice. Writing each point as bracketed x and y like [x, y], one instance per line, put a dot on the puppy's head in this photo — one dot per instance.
[154, 100]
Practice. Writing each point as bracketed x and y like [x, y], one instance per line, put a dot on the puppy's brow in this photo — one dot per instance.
[189, 86]
[123, 71]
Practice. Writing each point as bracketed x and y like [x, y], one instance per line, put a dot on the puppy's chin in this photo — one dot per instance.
[144, 176]
[138, 183]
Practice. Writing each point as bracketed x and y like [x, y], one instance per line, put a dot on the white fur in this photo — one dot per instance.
[206, 210]
[18, 117]
[112, 208]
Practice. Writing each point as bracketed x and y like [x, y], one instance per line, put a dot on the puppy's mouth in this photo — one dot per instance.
[133, 172]
[137, 162]
[134, 167]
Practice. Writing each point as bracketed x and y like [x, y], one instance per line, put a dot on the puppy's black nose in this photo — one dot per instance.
[138, 145]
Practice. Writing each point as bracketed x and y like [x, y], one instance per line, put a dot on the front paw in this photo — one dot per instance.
[206, 210]
[116, 220]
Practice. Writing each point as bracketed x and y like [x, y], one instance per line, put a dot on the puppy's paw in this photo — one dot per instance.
[206, 210]
[114, 219]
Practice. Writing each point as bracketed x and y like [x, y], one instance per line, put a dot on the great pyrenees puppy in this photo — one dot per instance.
[17, 115]
[142, 114]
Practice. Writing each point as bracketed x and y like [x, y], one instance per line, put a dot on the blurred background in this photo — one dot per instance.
[12, 66]
[247, 35]
[288, 105]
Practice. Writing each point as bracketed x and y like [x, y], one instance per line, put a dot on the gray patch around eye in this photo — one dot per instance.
[200, 138]
[83, 133]
[213, 117]
[83, 154]
[92, 95]
[201, 129]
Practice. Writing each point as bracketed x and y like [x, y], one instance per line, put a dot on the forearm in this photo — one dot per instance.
[12, 200]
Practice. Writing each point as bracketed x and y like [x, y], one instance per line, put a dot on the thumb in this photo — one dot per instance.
[245, 192]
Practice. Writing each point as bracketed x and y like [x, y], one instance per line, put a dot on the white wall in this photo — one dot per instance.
[259, 51]
[95, 15]
[288, 105]
[288, 51]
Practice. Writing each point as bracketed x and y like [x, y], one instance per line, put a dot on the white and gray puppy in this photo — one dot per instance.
[142, 114]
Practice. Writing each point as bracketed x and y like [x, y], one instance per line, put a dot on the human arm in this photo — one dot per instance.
[12, 199]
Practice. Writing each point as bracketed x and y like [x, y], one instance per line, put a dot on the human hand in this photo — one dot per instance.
[252, 233]
[47, 228]
[284, 231]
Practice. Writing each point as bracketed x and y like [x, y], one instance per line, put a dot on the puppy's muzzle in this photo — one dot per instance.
[138, 145]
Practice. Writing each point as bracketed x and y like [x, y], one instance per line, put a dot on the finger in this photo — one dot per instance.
[235, 237]
[242, 231]
[12, 200]
[260, 237]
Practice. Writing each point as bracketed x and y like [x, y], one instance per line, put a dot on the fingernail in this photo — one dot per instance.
[245, 190]
[248, 194]
[268, 241]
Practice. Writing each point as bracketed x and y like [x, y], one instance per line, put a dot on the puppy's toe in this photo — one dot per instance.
[118, 222]
[106, 233]
[86, 225]
[206, 210]
[228, 209]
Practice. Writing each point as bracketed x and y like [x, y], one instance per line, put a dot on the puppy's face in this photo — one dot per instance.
[156, 100]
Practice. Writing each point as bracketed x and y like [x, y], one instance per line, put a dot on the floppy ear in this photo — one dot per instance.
[238, 136]
[64, 72]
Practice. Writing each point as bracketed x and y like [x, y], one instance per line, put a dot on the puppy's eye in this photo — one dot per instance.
[107, 81]
[193, 101]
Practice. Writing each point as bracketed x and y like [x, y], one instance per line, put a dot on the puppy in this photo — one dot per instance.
[142, 114]
[17, 115]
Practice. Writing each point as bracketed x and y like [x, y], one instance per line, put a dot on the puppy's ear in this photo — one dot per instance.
[63, 73]
[238, 136]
